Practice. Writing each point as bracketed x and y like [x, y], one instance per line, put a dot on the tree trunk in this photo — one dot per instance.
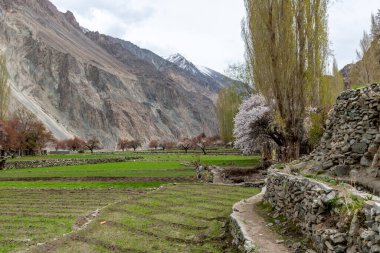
[204, 151]
[292, 151]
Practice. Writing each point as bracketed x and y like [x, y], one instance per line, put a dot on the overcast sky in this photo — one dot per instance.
[207, 32]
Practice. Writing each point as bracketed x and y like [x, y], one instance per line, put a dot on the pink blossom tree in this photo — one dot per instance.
[254, 127]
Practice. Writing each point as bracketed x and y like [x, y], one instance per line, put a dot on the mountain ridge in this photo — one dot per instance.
[87, 84]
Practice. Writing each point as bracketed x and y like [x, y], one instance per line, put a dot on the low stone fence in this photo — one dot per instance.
[63, 162]
[334, 219]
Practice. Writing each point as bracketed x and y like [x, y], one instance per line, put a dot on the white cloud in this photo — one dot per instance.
[207, 32]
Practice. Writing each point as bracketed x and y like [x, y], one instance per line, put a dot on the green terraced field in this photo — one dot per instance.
[41, 204]
[182, 218]
[31, 216]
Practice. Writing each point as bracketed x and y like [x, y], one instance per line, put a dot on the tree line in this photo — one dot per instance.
[292, 88]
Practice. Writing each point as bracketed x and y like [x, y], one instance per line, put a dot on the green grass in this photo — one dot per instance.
[79, 185]
[31, 216]
[182, 218]
[152, 166]
[125, 169]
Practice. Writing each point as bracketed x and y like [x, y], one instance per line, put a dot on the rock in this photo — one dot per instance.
[373, 148]
[338, 238]
[341, 170]
[377, 139]
[329, 245]
[327, 165]
[326, 199]
[375, 249]
[376, 161]
[359, 148]
[364, 161]
[367, 235]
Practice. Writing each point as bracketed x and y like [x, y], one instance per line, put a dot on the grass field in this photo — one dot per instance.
[150, 166]
[31, 216]
[182, 218]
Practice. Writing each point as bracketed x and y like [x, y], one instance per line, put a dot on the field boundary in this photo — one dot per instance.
[28, 164]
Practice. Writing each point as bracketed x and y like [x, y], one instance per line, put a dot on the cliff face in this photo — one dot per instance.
[86, 84]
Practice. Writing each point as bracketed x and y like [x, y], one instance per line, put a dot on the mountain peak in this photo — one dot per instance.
[183, 63]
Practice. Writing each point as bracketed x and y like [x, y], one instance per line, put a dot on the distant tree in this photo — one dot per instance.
[227, 107]
[240, 73]
[4, 88]
[135, 144]
[75, 144]
[60, 145]
[365, 63]
[3, 137]
[185, 144]
[31, 134]
[12, 140]
[202, 141]
[39, 137]
[154, 144]
[331, 87]
[92, 144]
[166, 144]
[123, 144]
[375, 25]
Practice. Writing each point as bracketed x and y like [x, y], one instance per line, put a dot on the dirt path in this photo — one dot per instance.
[255, 226]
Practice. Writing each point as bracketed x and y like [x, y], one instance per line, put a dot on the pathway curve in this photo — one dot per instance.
[254, 226]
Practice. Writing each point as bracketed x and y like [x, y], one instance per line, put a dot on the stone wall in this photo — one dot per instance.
[63, 162]
[313, 206]
[352, 137]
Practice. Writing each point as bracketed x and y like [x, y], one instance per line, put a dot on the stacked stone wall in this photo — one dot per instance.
[352, 138]
[311, 205]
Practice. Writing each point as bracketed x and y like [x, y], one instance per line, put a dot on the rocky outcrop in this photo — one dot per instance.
[87, 84]
[63, 162]
[352, 137]
[334, 219]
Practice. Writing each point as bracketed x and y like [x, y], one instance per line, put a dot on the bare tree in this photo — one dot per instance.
[75, 144]
[123, 144]
[135, 144]
[92, 144]
[166, 144]
[185, 144]
[202, 141]
[153, 144]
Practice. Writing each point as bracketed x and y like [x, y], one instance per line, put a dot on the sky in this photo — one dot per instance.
[206, 32]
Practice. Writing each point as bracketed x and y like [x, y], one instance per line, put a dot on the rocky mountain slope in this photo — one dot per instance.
[88, 84]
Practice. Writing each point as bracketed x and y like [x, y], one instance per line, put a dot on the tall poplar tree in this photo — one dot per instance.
[286, 42]
[227, 106]
[4, 88]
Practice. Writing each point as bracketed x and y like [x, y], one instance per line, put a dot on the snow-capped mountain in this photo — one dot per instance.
[211, 79]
